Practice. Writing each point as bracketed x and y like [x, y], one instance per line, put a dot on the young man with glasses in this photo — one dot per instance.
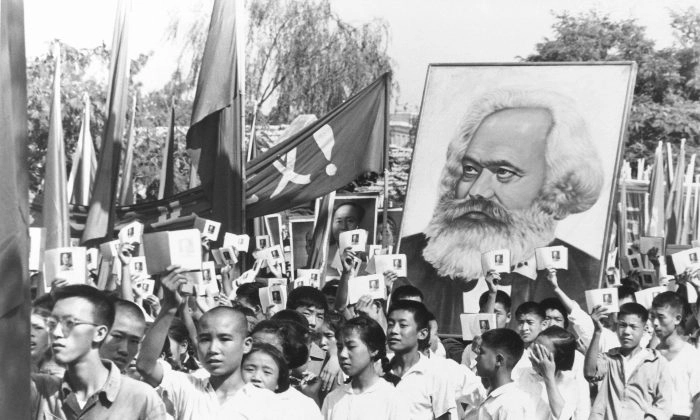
[91, 388]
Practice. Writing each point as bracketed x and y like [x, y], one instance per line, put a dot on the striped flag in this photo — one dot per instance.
[100, 219]
[675, 198]
[657, 194]
[55, 196]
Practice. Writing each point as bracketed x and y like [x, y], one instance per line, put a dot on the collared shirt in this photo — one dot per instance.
[647, 392]
[120, 398]
[507, 402]
[380, 401]
[685, 379]
[194, 398]
[583, 326]
[427, 390]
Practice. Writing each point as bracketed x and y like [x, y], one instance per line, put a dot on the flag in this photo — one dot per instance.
[323, 157]
[686, 197]
[322, 229]
[622, 237]
[167, 170]
[55, 196]
[675, 198]
[126, 193]
[216, 129]
[82, 173]
[100, 219]
[14, 229]
[657, 195]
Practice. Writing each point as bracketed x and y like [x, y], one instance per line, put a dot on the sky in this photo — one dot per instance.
[421, 31]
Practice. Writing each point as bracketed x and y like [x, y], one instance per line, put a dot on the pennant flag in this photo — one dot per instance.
[322, 230]
[82, 173]
[323, 157]
[216, 129]
[126, 193]
[675, 199]
[622, 237]
[657, 194]
[14, 229]
[55, 197]
[100, 219]
[686, 197]
[167, 170]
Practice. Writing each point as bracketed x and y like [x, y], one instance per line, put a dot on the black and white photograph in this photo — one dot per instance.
[693, 258]
[374, 284]
[555, 256]
[498, 259]
[607, 298]
[276, 297]
[138, 267]
[484, 325]
[397, 264]
[66, 261]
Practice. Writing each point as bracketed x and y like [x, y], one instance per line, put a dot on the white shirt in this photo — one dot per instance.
[427, 391]
[380, 401]
[574, 391]
[293, 405]
[462, 381]
[194, 398]
[685, 377]
[507, 402]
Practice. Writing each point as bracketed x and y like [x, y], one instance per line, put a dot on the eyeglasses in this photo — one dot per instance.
[67, 324]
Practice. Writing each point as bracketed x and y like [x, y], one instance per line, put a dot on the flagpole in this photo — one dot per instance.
[385, 210]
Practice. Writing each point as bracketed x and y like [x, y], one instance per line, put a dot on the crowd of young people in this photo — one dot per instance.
[120, 354]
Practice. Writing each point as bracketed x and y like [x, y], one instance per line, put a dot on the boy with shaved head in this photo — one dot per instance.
[221, 343]
[122, 342]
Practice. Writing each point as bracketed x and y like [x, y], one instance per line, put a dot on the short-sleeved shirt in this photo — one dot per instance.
[380, 401]
[427, 390]
[195, 398]
[507, 402]
[120, 398]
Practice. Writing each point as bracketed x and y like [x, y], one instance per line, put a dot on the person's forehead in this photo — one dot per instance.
[269, 338]
[76, 307]
[223, 323]
[630, 319]
[402, 315]
[308, 308]
[260, 358]
[346, 211]
[126, 323]
[553, 312]
[514, 135]
[530, 317]
[665, 310]
[498, 307]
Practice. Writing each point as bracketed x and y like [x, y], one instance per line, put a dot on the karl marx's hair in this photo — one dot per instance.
[574, 173]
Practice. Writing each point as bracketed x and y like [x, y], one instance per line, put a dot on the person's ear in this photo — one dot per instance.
[500, 360]
[247, 345]
[100, 334]
[424, 333]
[508, 318]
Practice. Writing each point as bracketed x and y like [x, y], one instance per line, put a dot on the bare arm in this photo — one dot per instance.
[566, 300]
[147, 361]
[125, 251]
[492, 278]
[341, 295]
[590, 366]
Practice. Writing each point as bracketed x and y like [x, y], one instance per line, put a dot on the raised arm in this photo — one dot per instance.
[590, 366]
[492, 278]
[147, 361]
[569, 304]
[125, 251]
[341, 295]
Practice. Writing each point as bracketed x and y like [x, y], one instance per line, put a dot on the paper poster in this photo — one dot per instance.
[372, 285]
[262, 242]
[137, 267]
[273, 296]
[648, 278]
[179, 247]
[646, 243]
[552, 256]
[131, 233]
[356, 240]
[606, 298]
[92, 257]
[238, 242]
[209, 229]
[497, 260]
[646, 296]
[65, 263]
[685, 259]
[474, 325]
[395, 263]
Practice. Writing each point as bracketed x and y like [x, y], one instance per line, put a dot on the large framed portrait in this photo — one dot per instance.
[354, 212]
[301, 229]
[517, 157]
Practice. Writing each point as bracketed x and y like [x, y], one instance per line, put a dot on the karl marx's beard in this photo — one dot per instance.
[456, 242]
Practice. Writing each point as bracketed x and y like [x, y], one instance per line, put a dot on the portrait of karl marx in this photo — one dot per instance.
[520, 162]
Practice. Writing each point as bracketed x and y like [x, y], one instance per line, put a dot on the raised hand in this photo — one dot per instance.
[347, 259]
[598, 313]
[492, 279]
[543, 361]
[125, 253]
[552, 277]
[171, 282]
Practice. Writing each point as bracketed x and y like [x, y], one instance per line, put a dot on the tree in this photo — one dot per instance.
[668, 80]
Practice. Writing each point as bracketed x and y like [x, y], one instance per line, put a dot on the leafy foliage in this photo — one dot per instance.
[668, 80]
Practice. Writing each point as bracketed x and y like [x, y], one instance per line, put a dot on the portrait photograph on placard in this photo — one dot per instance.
[491, 131]
[300, 232]
[352, 212]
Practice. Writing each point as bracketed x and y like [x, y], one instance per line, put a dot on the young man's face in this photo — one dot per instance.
[553, 317]
[222, 342]
[486, 361]
[502, 315]
[39, 337]
[403, 333]
[314, 315]
[529, 327]
[72, 344]
[122, 342]
[665, 320]
[630, 329]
